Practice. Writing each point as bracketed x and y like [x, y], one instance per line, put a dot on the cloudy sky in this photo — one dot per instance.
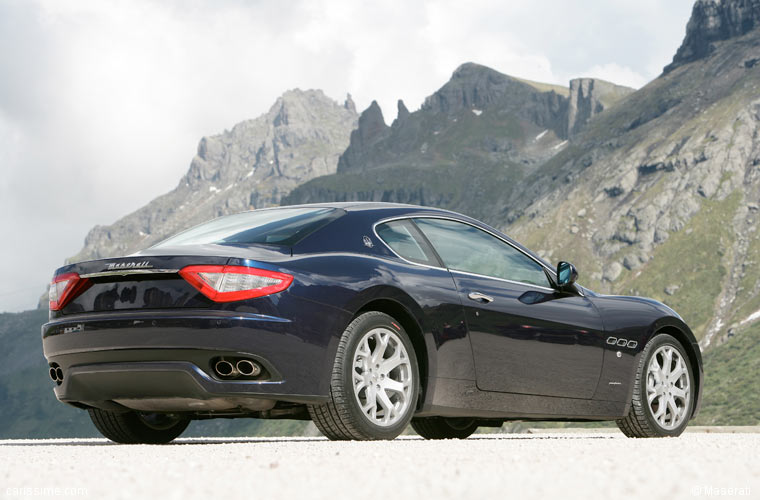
[102, 102]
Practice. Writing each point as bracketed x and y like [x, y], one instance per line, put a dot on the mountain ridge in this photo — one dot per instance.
[620, 194]
[657, 193]
[712, 21]
[249, 166]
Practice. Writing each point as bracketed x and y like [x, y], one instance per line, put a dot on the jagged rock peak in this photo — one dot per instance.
[403, 112]
[471, 86]
[713, 21]
[251, 165]
[371, 121]
[589, 97]
[371, 127]
[349, 104]
[299, 105]
[466, 70]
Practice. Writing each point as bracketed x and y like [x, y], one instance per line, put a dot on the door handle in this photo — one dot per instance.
[480, 297]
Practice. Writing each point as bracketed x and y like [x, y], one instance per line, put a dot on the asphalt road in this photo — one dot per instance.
[557, 465]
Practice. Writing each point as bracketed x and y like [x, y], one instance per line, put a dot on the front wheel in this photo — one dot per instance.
[444, 428]
[374, 383]
[663, 392]
[138, 427]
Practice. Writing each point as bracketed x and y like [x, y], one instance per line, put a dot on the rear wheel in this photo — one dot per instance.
[444, 428]
[663, 392]
[138, 427]
[374, 383]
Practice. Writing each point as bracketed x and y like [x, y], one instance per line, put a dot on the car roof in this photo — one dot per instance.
[365, 206]
[387, 209]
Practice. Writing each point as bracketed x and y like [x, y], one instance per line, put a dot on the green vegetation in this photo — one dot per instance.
[445, 185]
[732, 389]
[748, 295]
[692, 259]
[546, 87]
[28, 407]
[470, 132]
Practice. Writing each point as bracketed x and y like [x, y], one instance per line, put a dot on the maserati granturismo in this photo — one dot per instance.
[364, 318]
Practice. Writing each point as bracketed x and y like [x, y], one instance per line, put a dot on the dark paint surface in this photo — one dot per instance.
[532, 353]
[547, 344]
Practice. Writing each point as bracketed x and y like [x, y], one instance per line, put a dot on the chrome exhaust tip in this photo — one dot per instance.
[224, 368]
[53, 374]
[59, 374]
[248, 368]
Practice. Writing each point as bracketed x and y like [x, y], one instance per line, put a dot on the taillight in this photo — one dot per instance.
[231, 283]
[64, 288]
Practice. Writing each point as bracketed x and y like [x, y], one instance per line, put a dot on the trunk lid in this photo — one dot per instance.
[151, 280]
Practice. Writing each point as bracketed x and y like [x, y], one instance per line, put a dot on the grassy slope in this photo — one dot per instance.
[546, 87]
[731, 393]
[691, 259]
[28, 407]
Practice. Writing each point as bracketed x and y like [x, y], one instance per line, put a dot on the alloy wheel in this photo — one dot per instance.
[668, 387]
[382, 377]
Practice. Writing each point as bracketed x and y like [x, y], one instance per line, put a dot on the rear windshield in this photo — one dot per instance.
[282, 226]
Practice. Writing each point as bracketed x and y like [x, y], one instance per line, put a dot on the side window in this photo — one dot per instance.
[466, 248]
[399, 235]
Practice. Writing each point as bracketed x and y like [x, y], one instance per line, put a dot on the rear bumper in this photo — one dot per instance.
[162, 361]
[175, 386]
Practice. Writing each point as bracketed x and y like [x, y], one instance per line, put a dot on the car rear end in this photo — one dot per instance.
[207, 326]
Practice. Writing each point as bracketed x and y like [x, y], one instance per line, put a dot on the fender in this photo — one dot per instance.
[394, 301]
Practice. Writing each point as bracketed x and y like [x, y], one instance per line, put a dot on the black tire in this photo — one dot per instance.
[444, 428]
[640, 422]
[138, 428]
[341, 418]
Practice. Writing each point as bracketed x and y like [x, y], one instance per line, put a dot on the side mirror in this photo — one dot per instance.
[566, 274]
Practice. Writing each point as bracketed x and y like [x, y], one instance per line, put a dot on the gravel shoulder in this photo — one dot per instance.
[583, 465]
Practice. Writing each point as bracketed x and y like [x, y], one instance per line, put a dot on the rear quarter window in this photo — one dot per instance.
[403, 238]
[281, 227]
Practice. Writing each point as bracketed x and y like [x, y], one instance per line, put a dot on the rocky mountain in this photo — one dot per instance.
[653, 192]
[589, 97]
[251, 166]
[713, 21]
[476, 138]
[659, 196]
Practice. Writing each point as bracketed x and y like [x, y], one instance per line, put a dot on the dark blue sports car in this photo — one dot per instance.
[362, 317]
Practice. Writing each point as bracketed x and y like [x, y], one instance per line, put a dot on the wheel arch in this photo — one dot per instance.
[685, 337]
[409, 315]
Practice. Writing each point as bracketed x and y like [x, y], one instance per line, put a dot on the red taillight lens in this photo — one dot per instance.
[64, 288]
[231, 283]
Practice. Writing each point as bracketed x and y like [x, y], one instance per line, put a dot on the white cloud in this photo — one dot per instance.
[102, 103]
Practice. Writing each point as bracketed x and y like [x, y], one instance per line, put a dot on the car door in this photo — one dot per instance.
[527, 338]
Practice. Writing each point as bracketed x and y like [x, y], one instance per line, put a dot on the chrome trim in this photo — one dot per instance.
[412, 217]
[522, 283]
[390, 219]
[374, 230]
[614, 341]
[125, 272]
[480, 297]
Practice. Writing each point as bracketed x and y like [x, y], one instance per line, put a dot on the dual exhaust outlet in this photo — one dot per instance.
[56, 373]
[241, 368]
